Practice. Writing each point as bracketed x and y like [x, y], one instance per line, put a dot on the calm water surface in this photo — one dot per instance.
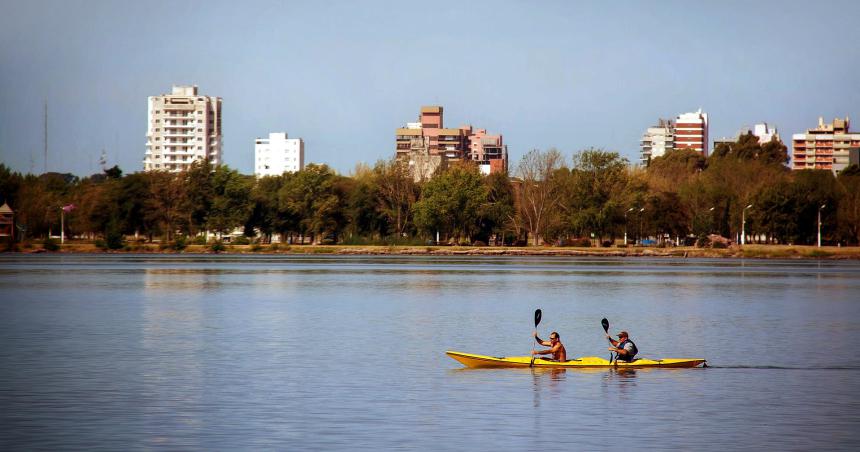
[347, 353]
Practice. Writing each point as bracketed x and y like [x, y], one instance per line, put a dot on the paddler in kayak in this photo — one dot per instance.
[624, 348]
[556, 349]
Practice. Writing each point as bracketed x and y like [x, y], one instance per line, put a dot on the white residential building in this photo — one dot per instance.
[657, 141]
[278, 154]
[765, 133]
[182, 127]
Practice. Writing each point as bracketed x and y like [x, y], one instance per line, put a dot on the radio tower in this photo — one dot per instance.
[46, 135]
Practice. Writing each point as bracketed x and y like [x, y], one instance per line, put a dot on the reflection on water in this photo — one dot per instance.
[172, 342]
[345, 353]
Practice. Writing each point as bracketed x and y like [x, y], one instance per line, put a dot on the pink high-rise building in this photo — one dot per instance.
[488, 151]
[428, 145]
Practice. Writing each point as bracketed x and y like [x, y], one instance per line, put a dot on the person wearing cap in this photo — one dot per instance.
[624, 348]
[556, 349]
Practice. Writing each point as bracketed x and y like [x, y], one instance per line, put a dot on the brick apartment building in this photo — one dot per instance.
[427, 145]
[828, 146]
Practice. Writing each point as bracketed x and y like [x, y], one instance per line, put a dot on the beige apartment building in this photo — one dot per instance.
[828, 146]
[182, 127]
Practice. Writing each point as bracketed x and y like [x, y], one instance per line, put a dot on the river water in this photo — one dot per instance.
[125, 352]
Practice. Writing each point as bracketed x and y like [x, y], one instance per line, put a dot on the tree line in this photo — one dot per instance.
[596, 197]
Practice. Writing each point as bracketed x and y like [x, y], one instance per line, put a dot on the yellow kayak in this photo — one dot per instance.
[481, 361]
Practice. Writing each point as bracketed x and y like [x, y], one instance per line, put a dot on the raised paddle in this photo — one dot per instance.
[537, 320]
[605, 324]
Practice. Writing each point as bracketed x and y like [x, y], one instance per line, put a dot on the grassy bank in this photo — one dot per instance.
[747, 251]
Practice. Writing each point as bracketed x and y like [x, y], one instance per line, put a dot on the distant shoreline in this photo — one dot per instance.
[734, 252]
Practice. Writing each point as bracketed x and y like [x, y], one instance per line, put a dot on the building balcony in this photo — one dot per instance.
[179, 107]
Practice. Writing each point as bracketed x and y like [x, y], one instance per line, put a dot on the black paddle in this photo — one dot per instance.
[605, 324]
[537, 320]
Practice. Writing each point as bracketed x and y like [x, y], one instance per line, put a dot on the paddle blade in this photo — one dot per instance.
[605, 324]
[538, 314]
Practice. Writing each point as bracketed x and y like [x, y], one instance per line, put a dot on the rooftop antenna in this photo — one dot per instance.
[116, 149]
[103, 160]
[46, 135]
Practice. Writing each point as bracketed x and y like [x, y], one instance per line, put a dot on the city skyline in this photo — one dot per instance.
[343, 75]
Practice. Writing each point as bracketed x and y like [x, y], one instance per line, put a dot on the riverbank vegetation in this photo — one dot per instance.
[594, 199]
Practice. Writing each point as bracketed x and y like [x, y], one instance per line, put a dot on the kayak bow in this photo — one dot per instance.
[482, 361]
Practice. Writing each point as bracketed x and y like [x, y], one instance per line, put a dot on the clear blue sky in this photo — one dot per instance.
[344, 74]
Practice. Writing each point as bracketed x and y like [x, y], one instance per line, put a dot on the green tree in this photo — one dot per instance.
[362, 201]
[675, 168]
[164, 206]
[848, 213]
[10, 185]
[230, 205]
[451, 202]
[497, 213]
[311, 197]
[265, 212]
[134, 189]
[195, 191]
[593, 193]
[776, 210]
[812, 189]
[663, 217]
[537, 192]
[396, 192]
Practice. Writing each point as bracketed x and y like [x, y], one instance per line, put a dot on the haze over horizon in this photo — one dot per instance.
[344, 75]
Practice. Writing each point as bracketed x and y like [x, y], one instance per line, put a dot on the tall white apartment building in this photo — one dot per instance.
[691, 131]
[657, 141]
[278, 154]
[182, 127]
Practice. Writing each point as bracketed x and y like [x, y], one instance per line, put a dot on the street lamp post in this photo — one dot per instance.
[819, 223]
[744, 225]
[625, 224]
[640, 224]
[711, 220]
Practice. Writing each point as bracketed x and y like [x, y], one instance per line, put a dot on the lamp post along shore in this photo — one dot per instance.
[625, 224]
[819, 223]
[711, 220]
[744, 225]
